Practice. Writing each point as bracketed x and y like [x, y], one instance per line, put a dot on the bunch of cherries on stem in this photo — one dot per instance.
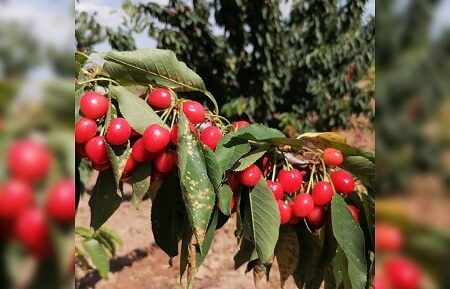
[22, 217]
[297, 199]
[156, 145]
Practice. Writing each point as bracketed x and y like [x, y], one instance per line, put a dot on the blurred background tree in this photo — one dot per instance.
[298, 65]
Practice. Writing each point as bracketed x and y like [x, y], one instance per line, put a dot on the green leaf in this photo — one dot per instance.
[151, 66]
[224, 196]
[251, 158]
[118, 156]
[213, 168]
[84, 232]
[233, 146]
[113, 235]
[98, 255]
[287, 253]
[281, 141]
[362, 168]
[104, 200]
[265, 220]
[136, 111]
[141, 181]
[350, 238]
[166, 219]
[198, 191]
[80, 59]
[106, 243]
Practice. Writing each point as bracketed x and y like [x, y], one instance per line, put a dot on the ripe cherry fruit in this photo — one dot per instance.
[276, 188]
[343, 182]
[250, 176]
[118, 132]
[128, 169]
[316, 218]
[233, 181]
[31, 230]
[139, 153]
[403, 273]
[160, 98]
[332, 157]
[61, 201]
[354, 211]
[303, 205]
[194, 111]
[96, 150]
[15, 197]
[240, 124]
[166, 161]
[101, 166]
[155, 138]
[388, 238]
[93, 105]
[285, 212]
[29, 160]
[291, 180]
[322, 193]
[211, 136]
[174, 135]
[85, 129]
[380, 282]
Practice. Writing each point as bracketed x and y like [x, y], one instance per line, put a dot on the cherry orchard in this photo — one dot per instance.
[164, 135]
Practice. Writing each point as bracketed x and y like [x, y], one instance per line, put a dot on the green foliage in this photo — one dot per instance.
[190, 204]
[301, 69]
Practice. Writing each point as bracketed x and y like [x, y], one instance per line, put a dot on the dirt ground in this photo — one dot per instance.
[141, 264]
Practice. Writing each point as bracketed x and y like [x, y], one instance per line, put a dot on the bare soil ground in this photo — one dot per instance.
[140, 264]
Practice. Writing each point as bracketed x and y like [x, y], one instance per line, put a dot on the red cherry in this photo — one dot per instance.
[303, 205]
[380, 282]
[322, 193]
[250, 176]
[194, 111]
[15, 197]
[332, 157]
[211, 136]
[101, 166]
[240, 124]
[294, 220]
[291, 180]
[160, 98]
[93, 105]
[233, 181]
[31, 230]
[317, 217]
[128, 169]
[96, 150]
[174, 135]
[354, 211]
[388, 238]
[343, 182]
[118, 132]
[85, 129]
[155, 138]
[29, 160]
[276, 188]
[61, 201]
[165, 162]
[139, 153]
[403, 273]
[285, 212]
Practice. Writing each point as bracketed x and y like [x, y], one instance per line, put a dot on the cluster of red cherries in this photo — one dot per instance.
[396, 272]
[22, 217]
[157, 144]
[297, 199]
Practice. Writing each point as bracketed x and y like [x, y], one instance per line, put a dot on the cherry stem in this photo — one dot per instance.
[99, 79]
[311, 178]
[274, 165]
[174, 116]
